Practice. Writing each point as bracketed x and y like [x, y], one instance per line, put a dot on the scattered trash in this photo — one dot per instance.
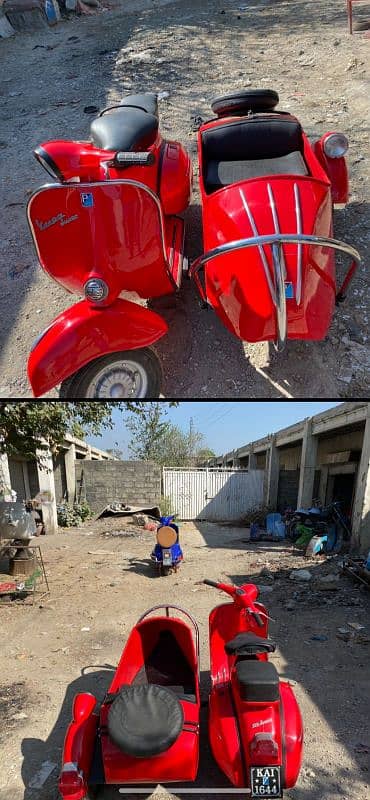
[91, 110]
[163, 96]
[300, 575]
[319, 638]
[101, 552]
[42, 775]
[20, 715]
[353, 636]
[84, 630]
[356, 626]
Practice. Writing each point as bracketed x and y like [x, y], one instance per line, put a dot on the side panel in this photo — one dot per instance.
[293, 734]
[224, 735]
[83, 332]
[175, 178]
[112, 230]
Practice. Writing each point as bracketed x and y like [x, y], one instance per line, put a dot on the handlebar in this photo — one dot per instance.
[241, 596]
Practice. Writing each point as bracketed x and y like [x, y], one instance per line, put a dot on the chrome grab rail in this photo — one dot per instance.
[276, 240]
[166, 607]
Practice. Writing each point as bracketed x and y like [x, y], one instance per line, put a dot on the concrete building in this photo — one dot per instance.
[55, 477]
[324, 457]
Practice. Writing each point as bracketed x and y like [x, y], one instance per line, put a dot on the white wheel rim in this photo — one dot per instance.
[121, 379]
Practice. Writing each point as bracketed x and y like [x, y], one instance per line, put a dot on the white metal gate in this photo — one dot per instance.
[213, 494]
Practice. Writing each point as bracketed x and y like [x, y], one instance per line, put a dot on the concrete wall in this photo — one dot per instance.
[290, 457]
[133, 482]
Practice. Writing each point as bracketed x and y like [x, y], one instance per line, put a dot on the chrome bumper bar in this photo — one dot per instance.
[277, 290]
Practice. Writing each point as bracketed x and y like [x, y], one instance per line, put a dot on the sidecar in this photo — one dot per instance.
[146, 730]
[268, 269]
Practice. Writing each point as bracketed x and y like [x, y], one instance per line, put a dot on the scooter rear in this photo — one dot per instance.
[255, 725]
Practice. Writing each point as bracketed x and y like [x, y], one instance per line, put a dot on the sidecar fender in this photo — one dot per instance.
[336, 170]
[84, 332]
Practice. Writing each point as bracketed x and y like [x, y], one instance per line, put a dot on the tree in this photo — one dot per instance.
[116, 452]
[27, 427]
[153, 438]
[204, 455]
[147, 432]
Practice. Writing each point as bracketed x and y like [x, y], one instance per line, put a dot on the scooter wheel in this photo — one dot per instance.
[125, 374]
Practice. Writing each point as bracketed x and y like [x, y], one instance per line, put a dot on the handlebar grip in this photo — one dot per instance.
[210, 583]
[258, 619]
[134, 159]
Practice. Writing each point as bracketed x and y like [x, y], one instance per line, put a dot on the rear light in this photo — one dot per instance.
[71, 783]
[263, 746]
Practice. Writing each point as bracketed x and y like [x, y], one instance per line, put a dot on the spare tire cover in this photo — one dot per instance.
[145, 720]
[247, 100]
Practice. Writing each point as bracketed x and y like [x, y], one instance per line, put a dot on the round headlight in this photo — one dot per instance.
[336, 145]
[96, 290]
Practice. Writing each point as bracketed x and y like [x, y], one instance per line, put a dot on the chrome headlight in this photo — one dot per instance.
[336, 145]
[96, 290]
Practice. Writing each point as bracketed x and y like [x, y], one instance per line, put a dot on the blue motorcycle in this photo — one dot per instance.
[167, 553]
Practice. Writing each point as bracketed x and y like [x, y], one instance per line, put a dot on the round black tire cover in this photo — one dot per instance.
[145, 720]
[246, 100]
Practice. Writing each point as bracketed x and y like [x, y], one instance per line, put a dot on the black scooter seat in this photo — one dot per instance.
[258, 681]
[245, 644]
[145, 720]
[130, 126]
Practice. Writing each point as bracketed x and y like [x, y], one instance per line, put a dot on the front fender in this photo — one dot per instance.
[84, 332]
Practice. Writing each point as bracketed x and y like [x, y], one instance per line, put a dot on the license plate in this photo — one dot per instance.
[167, 558]
[265, 782]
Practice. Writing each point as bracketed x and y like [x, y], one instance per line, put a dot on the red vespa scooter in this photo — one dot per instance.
[255, 725]
[109, 227]
[268, 270]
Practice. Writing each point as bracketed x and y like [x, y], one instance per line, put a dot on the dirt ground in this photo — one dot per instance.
[46, 656]
[194, 51]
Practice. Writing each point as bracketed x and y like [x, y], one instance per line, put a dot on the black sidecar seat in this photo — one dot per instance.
[145, 720]
[248, 644]
[132, 125]
[258, 681]
[252, 147]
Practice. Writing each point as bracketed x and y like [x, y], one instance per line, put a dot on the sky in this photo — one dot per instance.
[226, 425]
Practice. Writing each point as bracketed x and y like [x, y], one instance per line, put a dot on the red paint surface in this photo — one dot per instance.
[83, 332]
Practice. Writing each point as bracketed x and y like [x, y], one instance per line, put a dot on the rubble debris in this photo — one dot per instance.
[300, 575]
[328, 582]
[125, 510]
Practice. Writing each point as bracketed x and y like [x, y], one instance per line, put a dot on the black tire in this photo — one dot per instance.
[244, 101]
[79, 385]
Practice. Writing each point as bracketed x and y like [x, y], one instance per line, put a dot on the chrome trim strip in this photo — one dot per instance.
[298, 215]
[289, 238]
[280, 272]
[86, 186]
[261, 250]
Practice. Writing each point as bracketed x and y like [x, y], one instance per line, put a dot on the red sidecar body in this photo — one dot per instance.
[146, 730]
[268, 270]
